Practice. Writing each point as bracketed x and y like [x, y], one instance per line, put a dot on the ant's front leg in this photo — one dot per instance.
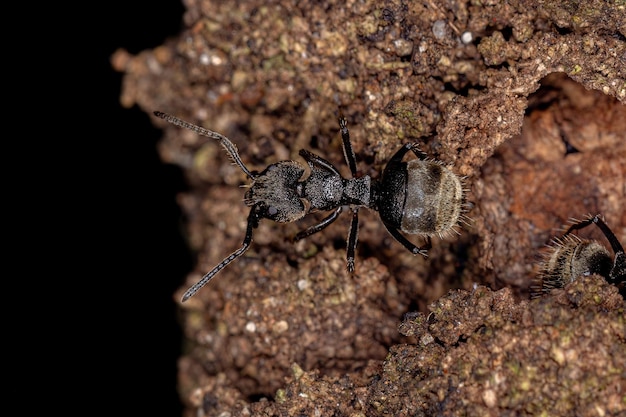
[253, 223]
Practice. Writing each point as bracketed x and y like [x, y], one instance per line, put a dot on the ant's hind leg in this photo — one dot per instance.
[353, 237]
[397, 157]
[597, 219]
[414, 249]
[617, 274]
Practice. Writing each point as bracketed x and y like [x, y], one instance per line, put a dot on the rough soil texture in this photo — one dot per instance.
[525, 99]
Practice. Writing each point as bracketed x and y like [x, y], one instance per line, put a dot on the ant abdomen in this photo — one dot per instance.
[570, 257]
[434, 198]
[420, 197]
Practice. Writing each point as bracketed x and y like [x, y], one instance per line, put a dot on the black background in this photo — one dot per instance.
[149, 258]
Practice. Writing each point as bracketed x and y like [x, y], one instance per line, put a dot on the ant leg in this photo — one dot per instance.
[581, 224]
[420, 155]
[348, 152]
[253, 222]
[618, 272]
[610, 236]
[318, 227]
[313, 160]
[353, 237]
[397, 157]
[407, 243]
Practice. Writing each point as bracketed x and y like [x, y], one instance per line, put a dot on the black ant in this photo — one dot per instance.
[417, 197]
[570, 257]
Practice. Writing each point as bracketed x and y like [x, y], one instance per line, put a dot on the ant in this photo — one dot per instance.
[570, 257]
[420, 196]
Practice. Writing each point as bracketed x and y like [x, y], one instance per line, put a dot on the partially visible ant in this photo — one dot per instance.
[420, 196]
[570, 257]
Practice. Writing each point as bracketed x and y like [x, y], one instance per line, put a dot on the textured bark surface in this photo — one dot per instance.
[523, 99]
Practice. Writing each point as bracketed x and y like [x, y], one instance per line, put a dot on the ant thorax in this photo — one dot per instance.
[326, 189]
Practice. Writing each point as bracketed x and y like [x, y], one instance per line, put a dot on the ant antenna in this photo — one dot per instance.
[229, 146]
